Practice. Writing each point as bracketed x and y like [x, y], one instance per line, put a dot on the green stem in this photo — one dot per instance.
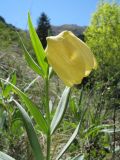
[48, 119]
[47, 101]
[48, 145]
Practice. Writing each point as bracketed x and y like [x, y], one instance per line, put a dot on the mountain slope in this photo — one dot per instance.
[77, 30]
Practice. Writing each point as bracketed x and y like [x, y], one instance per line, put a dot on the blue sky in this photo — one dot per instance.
[59, 11]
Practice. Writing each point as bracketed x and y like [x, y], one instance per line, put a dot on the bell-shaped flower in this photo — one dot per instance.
[69, 57]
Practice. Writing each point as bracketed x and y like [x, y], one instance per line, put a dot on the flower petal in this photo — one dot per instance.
[70, 58]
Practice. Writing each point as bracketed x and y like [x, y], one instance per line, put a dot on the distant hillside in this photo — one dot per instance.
[77, 30]
[11, 53]
[9, 40]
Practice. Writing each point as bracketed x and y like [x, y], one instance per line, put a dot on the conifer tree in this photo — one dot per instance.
[43, 28]
[2, 19]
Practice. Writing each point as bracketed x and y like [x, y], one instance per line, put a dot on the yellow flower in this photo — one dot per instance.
[69, 57]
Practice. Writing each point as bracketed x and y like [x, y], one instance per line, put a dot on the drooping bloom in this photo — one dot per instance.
[69, 57]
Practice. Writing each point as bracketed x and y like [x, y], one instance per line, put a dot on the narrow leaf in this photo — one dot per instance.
[4, 156]
[33, 109]
[31, 133]
[3, 117]
[31, 63]
[69, 141]
[110, 130]
[79, 157]
[73, 135]
[31, 83]
[60, 109]
[39, 51]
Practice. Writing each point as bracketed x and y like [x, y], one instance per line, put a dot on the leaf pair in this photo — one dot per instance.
[38, 117]
[32, 108]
